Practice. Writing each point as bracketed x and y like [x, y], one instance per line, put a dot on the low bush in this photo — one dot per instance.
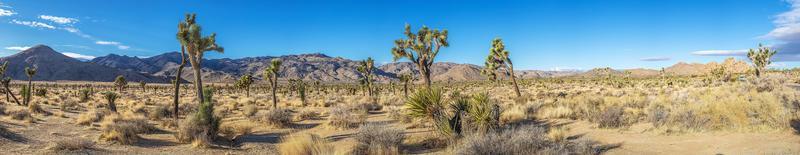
[344, 118]
[378, 139]
[278, 117]
[304, 144]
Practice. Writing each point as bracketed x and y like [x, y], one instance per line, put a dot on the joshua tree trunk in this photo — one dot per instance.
[198, 81]
[405, 89]
[514, 81]
[177, 84]
[27, 99]
[426, 76]
[274, 84]
[8, 91]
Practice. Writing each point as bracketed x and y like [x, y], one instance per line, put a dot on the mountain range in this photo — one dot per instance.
[54, 66]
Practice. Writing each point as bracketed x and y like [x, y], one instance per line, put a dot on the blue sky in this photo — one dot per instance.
[541, 34]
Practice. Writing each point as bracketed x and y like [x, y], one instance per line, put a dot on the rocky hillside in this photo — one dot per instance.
[52, 66]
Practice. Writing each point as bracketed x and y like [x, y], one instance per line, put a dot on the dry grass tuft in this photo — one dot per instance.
[344, 118]
[278, 118]
[124, 129]
[377, 139]
[304, 144]
[73, 144]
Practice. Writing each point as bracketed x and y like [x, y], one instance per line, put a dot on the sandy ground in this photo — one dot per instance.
[38, 136]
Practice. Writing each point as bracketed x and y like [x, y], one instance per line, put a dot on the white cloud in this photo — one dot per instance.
[18, 48]
[564, 69]
[4, 12]
[114, 43]
[60, 20]
[34, 24]
[78, 56]
[655, 59]
[720, 53]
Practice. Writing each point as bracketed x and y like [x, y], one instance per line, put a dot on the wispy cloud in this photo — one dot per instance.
[114, 43]
[34, 24]
[720, 53]
[787, 33]
[17, 48]
[4, 12]
[78, 56]
[655, 59]
[564, 69]
[59, 20]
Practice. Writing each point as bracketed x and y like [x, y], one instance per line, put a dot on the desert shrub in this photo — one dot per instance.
[72, 144]
[278, 117]
[690, 120]
[21, 115]
[89, 117]
[111, 99]
[159, 112]
[658, 116]
[34, 107]
[344, 117]
[123, 130]
[234, 131]
[523, 140]
[203, 125]
[611, 117]
[378, 139]
[40, 92]
[304, 144]
[307, 115]
[250, 110]
[397, 114]
[68, 105]
[85, 95]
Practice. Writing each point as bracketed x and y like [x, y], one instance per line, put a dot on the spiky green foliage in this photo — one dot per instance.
[484, 115]
[299, 86]
[25, 92]
[760, 58]
[425, 103]
[205, 113]
[111, 99]
[191, 39]
[244, 83]
[271, 73]
[120, 82]
[6, 81]
[421, 48]
[499, 58]
[366, 68]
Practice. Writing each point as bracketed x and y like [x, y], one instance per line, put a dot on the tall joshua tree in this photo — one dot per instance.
[191, 39]
[30, 72]
[244, 83]
[143, 84]
[271, 73]
[421, 49]
[499, 58]
[365, 68]
[177, 82]
[761, 58]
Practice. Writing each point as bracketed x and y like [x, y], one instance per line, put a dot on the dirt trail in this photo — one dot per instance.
[636, 140]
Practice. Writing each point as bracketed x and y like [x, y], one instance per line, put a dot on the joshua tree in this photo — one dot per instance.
[142, 84]
[421, 49]
[120, 82]
[406, 78]
[760, 58]
[244, 83]
[111, 97]
[6, 81]
[499, 58]
[366, 67]
[177, 82]
[300, 86]
[196, 45]
[271, 73]
[30, 72]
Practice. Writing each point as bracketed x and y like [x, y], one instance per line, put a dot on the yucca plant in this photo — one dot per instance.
[190, 37]
[271, 73]
[760, 58]
[425, 103]
[111, 99]
[484, 115]
[421, 49]
[85, 94]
